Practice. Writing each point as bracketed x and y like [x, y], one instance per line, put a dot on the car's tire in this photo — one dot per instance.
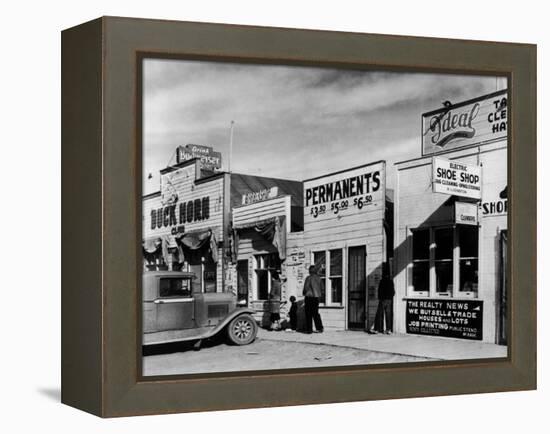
[242, 330]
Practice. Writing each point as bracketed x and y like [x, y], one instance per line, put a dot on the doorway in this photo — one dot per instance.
[503, 283]
[242, 282]
[357, 280]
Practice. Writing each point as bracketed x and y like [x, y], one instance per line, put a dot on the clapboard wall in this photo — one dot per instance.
[183, 182]
[251, 243]
[417, 205]
[360, 223]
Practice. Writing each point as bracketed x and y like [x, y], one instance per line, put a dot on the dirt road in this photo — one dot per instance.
[260, 355]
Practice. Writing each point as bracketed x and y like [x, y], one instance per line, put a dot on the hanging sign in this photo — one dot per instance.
[456, 178]
[466, 213]
[468, 123]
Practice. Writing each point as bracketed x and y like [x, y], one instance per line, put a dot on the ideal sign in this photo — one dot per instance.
[456, 178]
[469, 123]
[209, 158]
[349, 192]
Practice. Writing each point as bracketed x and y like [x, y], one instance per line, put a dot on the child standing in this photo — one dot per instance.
[293, 313]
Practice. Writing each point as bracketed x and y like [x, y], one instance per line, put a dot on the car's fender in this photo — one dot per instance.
[222, 324]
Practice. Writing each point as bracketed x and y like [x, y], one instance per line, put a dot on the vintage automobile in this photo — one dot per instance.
[175, 310]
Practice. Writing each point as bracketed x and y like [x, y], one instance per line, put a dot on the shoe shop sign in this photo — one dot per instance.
[468, 123]
[456, 178]
[446, 318]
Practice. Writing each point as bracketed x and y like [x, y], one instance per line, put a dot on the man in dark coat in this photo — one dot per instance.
[384, 313]
[312, 293]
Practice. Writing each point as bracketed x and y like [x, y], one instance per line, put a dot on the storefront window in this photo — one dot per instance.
[421, 260]
[444, 260]
[331, 276]
[468, 244]
[320, 262]
[443, 257]
[336, 276]
[264, 267]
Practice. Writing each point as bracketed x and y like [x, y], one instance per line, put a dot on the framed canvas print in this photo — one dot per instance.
[261, 217]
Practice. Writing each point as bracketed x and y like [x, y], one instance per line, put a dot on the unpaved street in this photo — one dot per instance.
[260, 355]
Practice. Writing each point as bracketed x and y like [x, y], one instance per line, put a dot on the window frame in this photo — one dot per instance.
[270, 270]
[428, 260]
[175, 296]
[327, 302]
[456, 261]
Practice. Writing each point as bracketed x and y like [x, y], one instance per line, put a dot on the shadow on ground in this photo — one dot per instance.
[181, 347]
[51, 393]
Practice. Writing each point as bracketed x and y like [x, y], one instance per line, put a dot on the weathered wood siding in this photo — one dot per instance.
[182, 182]
[416, 205]
[356, 225]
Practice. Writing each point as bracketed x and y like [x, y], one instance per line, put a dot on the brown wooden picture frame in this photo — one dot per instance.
[101, 217]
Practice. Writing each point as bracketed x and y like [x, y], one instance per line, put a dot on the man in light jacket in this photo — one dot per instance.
[312, 293]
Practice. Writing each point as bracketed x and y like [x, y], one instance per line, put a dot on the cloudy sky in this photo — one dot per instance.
[291, 122]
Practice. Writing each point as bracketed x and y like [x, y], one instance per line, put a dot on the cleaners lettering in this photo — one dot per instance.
[350, 187]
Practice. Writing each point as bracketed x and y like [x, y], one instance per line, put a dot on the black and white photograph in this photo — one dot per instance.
[311, 217]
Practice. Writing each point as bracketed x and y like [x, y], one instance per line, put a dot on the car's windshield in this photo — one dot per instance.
[175, 287]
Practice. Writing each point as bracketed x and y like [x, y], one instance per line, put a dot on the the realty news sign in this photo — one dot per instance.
[448, 318]
[456, 178]
[468, 123]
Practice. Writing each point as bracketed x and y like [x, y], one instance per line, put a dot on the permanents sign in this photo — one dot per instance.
[344, 193]
[456, 178]
[472, 122]
[447, 318]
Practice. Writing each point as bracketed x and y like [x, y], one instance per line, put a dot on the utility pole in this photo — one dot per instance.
[230, 147]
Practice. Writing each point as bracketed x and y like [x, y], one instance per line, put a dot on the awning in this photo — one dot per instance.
[152, 248]
[190, 241]
[198, 240]
[272, 230]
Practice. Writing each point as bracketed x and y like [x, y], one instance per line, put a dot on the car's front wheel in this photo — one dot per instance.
[242, 330]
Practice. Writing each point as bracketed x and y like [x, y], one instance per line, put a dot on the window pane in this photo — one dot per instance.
[421, 276]
[421, 244]
[319, 260]
[210, 273]
[336, 262]
[175, 287]
[444, 243]
[444, 276]
[262, 281]
[468, 275]
[469, 239]
[259, 261]
[336, 289]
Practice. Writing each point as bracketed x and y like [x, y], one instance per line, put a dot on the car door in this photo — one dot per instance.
[175, 304]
